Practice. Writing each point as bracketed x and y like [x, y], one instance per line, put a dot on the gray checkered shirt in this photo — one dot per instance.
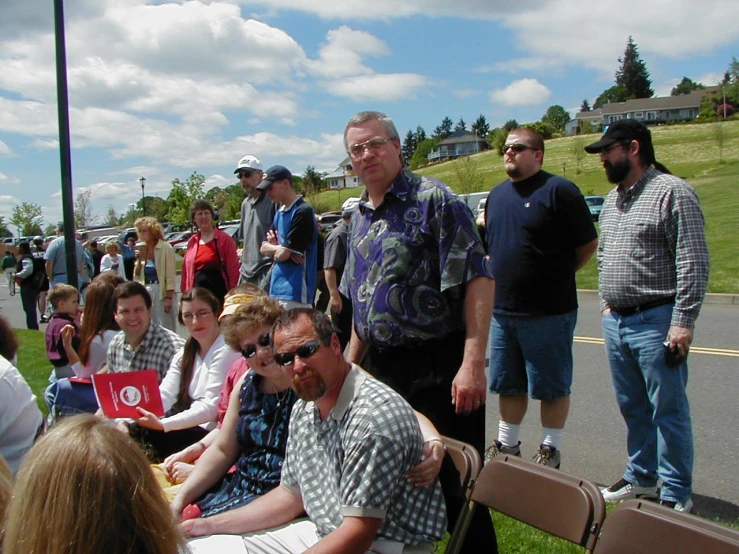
[652, 245]
[354, 463]
[154, 352]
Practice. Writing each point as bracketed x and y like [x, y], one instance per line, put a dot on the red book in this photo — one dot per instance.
[119, 394]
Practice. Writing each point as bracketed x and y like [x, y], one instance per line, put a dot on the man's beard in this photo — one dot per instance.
[617, 172]
[309, 386]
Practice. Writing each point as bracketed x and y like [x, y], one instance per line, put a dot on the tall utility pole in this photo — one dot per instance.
[64, 144]
[143, 198]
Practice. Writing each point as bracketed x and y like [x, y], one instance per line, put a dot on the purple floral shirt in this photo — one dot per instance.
[407, 259]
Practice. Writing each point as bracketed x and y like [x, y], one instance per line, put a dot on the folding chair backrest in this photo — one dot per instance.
[640, 527]
[468, 463]
[560, 504]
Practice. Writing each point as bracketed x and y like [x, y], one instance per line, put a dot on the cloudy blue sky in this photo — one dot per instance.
[161, 89]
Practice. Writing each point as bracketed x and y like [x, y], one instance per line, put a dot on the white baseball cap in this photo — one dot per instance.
[249, 163]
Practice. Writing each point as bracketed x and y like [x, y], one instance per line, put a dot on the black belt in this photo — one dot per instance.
[56, 274]
[154, 282]
[644, 307]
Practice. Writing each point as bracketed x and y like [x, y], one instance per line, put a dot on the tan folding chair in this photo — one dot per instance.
[640, 527]
[468, 463]
[557, 503]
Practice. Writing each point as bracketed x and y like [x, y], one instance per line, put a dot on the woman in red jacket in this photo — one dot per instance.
[210, 260]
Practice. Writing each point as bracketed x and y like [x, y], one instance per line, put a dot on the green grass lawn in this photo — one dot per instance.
[689, 151]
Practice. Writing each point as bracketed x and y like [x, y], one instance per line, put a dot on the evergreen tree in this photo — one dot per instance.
[480, 127]
[510, 125]
[444, 130]
[419, 136]
[616, 93]
[409, 145]
[686, 86]
[461, 125]
[632, 75]
[585, 106]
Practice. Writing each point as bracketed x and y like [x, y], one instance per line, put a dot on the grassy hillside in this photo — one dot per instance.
[690, 151]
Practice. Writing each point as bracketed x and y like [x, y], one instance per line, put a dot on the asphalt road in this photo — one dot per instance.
[594, 443]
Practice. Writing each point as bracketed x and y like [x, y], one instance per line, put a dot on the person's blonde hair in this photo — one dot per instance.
[112, 244]
[86, 488]
[256, 313]
[6, 489]
[61, 291]
[152, 225]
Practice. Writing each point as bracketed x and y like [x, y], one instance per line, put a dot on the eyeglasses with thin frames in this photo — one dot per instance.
[304, 351]
[199, 314]
[607, 150]
[250, 350]
[374, 145]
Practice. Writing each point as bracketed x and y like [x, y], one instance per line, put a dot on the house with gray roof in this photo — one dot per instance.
[650, 111]
[343, 177]
[459, 143]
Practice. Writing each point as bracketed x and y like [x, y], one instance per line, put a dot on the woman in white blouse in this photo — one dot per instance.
[112, 261]
[192, 385]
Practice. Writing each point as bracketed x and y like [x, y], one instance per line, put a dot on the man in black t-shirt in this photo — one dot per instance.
[539, 233]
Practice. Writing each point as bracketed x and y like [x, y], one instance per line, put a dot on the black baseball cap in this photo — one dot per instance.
[275, 173]
[621, 130]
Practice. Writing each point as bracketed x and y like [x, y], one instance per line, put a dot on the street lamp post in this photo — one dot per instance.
[143, 198]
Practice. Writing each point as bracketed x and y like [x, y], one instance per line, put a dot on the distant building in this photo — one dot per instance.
[459, 143]
[650, 111]
[343, 177]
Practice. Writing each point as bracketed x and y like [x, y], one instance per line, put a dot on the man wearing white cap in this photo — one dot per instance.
[257, 214]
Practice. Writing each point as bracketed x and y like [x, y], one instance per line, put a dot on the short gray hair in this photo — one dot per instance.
[361, 117]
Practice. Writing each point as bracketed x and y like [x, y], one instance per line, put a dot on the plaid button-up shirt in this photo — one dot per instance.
[652, 245]
[155, 351]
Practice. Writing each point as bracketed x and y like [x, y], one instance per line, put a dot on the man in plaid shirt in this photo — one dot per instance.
[142, 344]
[352, 442]
[653, 264]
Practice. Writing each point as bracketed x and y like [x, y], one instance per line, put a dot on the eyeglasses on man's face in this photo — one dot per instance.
[250, 350]
[607, 150]
[200, 314]
[246, 174]
[374, 145]
[304, 351]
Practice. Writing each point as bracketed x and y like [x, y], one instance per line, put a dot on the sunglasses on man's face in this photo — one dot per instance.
[250, 350]
[246, 174]
[304, 351]
[517, 147]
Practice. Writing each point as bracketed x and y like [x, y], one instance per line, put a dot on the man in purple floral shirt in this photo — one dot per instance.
[422, 292]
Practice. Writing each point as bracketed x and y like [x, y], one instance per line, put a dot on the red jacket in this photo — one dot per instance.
[229, 260]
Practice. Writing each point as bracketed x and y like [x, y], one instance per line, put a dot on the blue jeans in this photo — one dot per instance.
[653, 402]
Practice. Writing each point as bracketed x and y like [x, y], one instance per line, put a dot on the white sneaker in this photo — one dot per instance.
[623, 490]
[686, 506]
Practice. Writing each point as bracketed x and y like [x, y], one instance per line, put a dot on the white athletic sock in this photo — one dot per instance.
[552, 437]
[508, 433]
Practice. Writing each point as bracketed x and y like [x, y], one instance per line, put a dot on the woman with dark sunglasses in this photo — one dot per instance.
[253, 436]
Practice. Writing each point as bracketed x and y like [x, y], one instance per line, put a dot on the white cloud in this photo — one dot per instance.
[45, 144]
[465, 92]
[5, 149]
[524, 92]
[342, 54]
[386, 87]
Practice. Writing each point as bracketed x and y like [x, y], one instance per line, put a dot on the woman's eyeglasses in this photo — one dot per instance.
[305, 351]
[250, 350]
[200, 315]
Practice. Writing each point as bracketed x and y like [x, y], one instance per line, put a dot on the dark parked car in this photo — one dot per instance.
[595, 205]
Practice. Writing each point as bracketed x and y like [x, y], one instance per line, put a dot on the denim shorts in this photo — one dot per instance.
[531, 355]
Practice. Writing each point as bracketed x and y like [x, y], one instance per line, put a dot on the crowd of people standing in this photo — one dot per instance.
[274, 409]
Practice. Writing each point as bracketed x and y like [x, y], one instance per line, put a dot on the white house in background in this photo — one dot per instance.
[459, 143]
[343, 177]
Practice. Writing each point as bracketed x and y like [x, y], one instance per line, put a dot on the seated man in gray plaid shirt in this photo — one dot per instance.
[352, 442]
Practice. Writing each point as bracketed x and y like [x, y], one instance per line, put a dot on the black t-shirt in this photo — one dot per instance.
[533, 228]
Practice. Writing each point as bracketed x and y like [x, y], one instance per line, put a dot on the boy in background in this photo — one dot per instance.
[65, 299]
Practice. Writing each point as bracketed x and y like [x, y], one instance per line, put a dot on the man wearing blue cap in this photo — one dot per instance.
[292, 241]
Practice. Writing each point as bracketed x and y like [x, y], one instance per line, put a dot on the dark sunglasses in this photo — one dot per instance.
[251, 349]
[517, 147]
[305, 351]
[246, 174]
